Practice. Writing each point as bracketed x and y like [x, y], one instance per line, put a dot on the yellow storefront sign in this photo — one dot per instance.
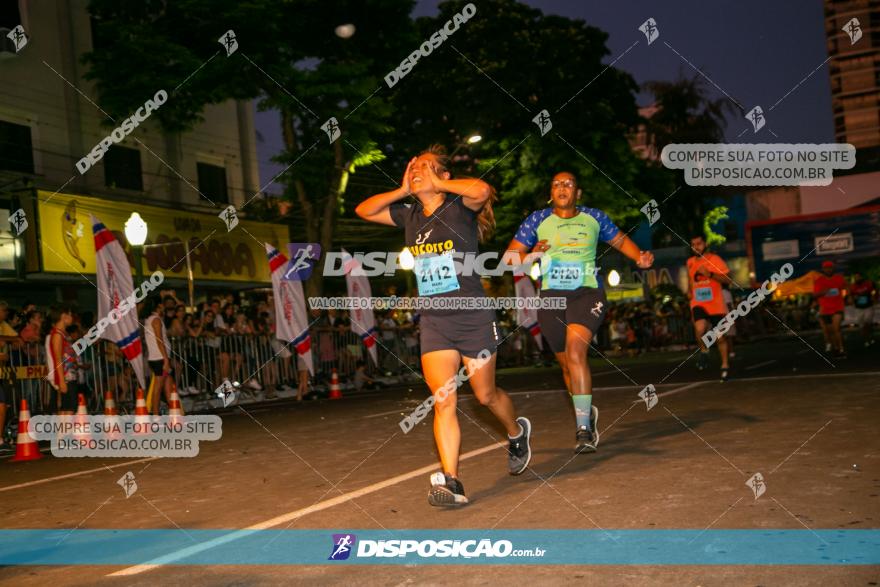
[625, 293]
[67, 243]
[24, 372]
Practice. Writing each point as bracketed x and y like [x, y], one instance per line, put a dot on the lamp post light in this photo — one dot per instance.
[471, 140]
[345, 31]
[613, 278]
[136, 234]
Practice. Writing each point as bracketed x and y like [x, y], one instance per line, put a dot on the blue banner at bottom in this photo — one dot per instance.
[439, 547]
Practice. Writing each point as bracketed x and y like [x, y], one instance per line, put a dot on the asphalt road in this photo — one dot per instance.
[807, 423]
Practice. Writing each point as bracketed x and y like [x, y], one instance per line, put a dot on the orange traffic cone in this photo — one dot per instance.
[111, 416]
[175, 409]
[140, 405]
[109, 404]
[81, 418]
[26, 448]
[141, 415]
[335, 392]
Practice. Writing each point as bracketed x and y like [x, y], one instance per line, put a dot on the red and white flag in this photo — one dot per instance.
[363, 323]
[291, 319]
[114, 285]
[527, 317]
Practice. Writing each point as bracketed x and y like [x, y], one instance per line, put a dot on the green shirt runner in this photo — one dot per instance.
[571, 261]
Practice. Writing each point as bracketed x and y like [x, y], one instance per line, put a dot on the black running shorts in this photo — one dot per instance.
[699, 313]
[466, 332]
[586, 306]
[828, 319]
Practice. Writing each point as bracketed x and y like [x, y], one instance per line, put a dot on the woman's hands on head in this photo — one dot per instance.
[406, 184]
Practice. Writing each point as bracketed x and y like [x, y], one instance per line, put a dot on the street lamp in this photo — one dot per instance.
[472, 139]
[613, 278]
[136, 234]
[344, 31]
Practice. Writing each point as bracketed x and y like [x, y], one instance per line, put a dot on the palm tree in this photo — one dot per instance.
[685, 113]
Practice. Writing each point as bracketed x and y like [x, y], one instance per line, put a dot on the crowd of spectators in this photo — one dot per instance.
[215, 340]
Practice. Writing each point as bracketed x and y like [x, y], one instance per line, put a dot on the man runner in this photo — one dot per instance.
[707, 272]
[829, 289]
[566, 235]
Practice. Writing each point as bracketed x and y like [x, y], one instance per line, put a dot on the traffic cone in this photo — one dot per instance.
[26, 448]
[175, 396]
[140, 406]
[175, 409]
[141, 415]
[111, 416]
[335, 392]
[109, 404]
[81, 418]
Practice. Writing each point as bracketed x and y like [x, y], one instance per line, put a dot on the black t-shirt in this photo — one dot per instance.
[452, 228]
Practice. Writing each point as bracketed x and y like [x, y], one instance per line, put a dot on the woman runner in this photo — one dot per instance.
[566, 235]
[450, 216]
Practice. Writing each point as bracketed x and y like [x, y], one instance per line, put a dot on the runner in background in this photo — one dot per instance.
[707, 272]
[864, 295]
[830, 290]
[566, 236]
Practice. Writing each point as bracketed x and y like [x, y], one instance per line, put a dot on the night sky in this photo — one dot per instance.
[755, 51]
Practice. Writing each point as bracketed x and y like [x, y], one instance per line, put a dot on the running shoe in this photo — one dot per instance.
[586, 440]
[446, 491]
[520, 451]
[827, 347]
[702, 361]
[725, 375]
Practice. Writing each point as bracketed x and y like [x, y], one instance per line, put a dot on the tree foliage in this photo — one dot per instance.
[288, 58]
[686, 114]
[493, 76]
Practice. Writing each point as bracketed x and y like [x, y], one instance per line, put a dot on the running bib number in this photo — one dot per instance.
[703, 294]
[832, 292]
[565, 275]
[863, 301]
[435, 275]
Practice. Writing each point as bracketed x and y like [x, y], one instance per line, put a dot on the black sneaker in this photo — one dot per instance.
[446, 491]
[520, 452]
[725, 375]
[586, 440]
[702, 361]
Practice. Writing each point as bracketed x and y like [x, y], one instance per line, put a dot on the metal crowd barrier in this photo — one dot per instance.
[256, 361]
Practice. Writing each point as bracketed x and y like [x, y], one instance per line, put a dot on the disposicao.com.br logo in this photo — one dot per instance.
[344, 545]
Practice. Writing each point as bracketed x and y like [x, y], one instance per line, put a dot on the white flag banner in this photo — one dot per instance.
[363, 323]
[114, 285]
[291, 319]
[527, 317]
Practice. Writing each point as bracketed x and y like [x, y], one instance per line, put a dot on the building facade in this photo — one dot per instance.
[852, 28]
[179, 182]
